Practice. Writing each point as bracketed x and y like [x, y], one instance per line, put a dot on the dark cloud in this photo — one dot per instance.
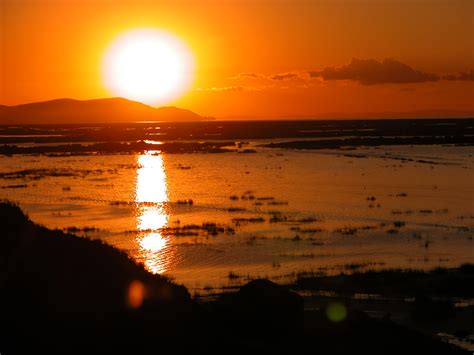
[363, 71]
[284, 76]
[222, 89]
[463, 76]
[248, 76]
[371, 72]
[278, 76]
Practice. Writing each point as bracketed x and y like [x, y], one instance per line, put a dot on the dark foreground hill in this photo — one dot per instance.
[61, 294]
[113, 110]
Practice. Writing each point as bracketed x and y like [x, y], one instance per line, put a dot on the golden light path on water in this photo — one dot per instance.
[151, 196]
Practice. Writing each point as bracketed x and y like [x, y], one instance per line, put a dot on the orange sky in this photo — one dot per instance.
[53, 48]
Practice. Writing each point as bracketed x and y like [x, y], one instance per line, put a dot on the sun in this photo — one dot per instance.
[148, 65]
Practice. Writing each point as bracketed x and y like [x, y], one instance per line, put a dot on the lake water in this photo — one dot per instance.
[272, 213]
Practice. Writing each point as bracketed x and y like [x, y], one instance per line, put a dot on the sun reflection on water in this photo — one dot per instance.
[151, 197]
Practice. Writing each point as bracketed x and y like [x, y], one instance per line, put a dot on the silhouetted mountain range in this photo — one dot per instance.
[112, 110]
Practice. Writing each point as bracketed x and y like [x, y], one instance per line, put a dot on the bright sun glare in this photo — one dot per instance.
[148, 65]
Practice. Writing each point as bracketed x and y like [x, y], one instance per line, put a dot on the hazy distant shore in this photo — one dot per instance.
[219, 130]
[215, 136]
[372, 142]
[220, 147]
[118, 148]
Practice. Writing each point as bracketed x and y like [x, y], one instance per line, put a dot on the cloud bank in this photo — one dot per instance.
[372, 72]
[223, 89]
[463, 76]
[241, 76]
[362, 71]
[284, 76]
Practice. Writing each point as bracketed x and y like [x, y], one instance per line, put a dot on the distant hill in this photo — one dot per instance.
[113, 110]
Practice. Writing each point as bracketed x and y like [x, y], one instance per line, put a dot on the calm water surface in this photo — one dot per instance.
[290, 211]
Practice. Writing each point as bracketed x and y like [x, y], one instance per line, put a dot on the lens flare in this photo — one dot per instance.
[336, 312]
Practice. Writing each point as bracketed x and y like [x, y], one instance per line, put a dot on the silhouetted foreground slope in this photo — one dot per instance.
[65, 293]
[91, 111]
[62, 294]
